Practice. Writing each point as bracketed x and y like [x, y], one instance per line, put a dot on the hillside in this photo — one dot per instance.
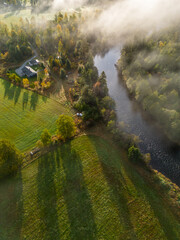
[77, 192]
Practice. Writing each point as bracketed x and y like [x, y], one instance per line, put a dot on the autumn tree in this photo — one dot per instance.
[65, 127]
[25, 82]
[60, 46]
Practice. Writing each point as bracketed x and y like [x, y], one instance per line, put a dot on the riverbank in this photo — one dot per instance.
[163, 157]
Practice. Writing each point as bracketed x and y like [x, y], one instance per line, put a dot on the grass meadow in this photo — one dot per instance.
[24, 115]
[83, 190]
[13, 17]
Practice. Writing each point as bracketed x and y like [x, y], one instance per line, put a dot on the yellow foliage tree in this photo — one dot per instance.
[25, 82]
[59, 28]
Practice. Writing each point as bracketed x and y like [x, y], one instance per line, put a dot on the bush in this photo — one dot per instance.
[134, 154]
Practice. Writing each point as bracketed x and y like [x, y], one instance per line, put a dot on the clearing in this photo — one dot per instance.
[85, 189]
[25, 114]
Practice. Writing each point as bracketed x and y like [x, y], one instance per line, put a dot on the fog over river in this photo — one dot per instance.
[164, 156]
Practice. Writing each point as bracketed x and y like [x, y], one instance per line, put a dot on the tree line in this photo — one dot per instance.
[150, 69]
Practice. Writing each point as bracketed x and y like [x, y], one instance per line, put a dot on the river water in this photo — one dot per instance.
[164, 156]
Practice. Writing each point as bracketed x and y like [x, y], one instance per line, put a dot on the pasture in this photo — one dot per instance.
[85, 189]
[24, 115]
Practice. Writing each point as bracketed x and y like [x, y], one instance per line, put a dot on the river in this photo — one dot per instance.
[164, 156]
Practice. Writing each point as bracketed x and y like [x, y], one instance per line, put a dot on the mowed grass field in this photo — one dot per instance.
[24, 115]
[83, 190]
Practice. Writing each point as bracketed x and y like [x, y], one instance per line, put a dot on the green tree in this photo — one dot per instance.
[68, 64]
[10, 158]
[62, 73]
[108, 103]
[134, 154]
[46, 137]
[66, 126]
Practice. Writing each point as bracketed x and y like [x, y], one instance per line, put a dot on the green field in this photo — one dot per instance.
[24, 115]
[83, 190]
[13, 17]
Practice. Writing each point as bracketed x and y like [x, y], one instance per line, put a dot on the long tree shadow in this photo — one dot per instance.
[44, 99]
[76, 196]
[9, 90]
[169, 227]
[116, 183]
[11, 208]
[17, 95]
[7, 86]
[25, 100]
[47, 198]
[112, 172]
[34, 101]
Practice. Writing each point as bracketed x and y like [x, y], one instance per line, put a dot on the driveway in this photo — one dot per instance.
[19, 70]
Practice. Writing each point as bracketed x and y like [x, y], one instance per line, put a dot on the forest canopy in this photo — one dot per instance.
[150, 69]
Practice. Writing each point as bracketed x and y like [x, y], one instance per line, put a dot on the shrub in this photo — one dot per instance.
[134, 154]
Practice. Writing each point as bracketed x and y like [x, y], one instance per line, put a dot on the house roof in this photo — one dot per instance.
[34, 61]
[28, 71]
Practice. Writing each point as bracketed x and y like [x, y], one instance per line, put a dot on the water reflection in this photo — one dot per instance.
[165, 157]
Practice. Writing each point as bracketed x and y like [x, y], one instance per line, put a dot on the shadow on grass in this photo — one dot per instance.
[11, 208]
[34, 101]
[112, 172]
[11, 91]
[25, 100]
[7, 86]
[17, 95]
[115, 181]
[47, 198]
[76, 196]
[44, 99]
[170, 227]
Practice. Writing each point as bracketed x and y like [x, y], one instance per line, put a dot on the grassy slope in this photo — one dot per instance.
[83, 190]
[24, 115]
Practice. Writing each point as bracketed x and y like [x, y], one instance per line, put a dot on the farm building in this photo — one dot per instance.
[29, 72]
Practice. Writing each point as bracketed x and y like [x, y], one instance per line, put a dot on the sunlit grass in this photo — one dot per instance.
[24, 115]
[83, 190]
